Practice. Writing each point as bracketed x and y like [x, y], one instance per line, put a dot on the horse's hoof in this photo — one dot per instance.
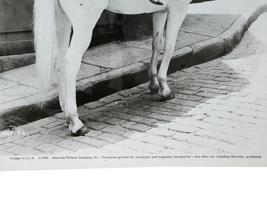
[81, 132]
[168, 97]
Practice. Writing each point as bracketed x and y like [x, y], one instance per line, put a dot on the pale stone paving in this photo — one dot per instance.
[220, 107]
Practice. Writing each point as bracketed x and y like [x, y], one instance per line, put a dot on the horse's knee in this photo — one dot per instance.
[72, 63]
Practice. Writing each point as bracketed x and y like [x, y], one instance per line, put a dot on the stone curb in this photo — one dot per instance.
[15, 61]
[219, 46]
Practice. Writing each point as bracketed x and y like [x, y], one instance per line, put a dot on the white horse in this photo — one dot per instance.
[52, 27]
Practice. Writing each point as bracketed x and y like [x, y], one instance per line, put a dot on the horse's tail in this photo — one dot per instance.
[45, 42]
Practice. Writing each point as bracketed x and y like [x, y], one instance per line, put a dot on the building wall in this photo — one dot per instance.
[16, 26]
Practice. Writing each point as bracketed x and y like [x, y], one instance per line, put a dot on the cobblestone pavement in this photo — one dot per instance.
[217, 110]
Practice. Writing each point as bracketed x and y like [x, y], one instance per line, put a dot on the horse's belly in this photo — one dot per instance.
[135, 6]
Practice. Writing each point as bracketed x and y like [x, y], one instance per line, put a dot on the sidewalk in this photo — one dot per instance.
[202, 38]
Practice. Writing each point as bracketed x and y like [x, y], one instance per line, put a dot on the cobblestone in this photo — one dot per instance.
[49, 148]
[22, 150]
[94, 142]
[141, 146]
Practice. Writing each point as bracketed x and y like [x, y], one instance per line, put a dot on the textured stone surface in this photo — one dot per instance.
[194, 24]
[115, 56]
[217, 111]
[11, 62]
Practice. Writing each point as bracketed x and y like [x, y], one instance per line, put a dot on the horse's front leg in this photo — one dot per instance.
[176, 13]
[159, 21]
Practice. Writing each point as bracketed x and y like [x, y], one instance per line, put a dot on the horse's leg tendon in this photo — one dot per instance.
[176, 14]
[159, 21]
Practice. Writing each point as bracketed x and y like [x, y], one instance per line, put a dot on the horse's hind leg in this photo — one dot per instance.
[63, 38]
[159, 21]
[83, 17]
[176, 13]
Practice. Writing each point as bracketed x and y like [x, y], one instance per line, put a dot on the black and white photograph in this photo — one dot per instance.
[129, 83]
